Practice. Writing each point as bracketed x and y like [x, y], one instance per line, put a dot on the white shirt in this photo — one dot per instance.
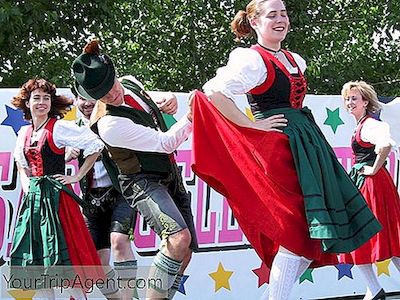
[244, 71]
[100, 175]
[377, 133]
[65, 134]
[124, 133]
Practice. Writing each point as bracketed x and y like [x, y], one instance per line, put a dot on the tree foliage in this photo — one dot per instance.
[178, 44]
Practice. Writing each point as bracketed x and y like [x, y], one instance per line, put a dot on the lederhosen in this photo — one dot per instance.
[106, 211]
[137, 164]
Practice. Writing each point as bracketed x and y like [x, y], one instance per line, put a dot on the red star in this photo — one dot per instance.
[263, 274]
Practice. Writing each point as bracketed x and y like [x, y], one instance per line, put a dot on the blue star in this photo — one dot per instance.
[182, 286]
[344, 270]
[15, 119]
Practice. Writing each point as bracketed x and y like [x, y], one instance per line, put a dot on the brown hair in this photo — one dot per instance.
[367, 93]
[241, 25]
[92, 47]
[59, 104]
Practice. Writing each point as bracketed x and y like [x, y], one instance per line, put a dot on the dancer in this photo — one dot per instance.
[371, 144]
[131, 126]
[290, 195]
[50, 230]
[108, 216]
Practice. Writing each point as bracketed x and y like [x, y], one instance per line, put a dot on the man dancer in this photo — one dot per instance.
[109, 218]
[131, 126]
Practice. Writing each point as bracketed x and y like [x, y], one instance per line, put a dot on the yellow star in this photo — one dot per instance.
[221, 278]
[383, 267]
[22, 294]
[249, 114]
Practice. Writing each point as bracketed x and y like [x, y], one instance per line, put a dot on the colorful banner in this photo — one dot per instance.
[226, 267]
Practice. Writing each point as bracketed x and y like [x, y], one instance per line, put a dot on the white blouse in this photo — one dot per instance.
[377, 133]
[244, 71]
[65, 134]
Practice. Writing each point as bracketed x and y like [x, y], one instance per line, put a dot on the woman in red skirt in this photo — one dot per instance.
[371, 144]
[50, 236]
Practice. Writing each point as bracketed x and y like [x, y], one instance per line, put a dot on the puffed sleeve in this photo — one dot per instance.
[19, 147]
[377, 133]
[300, 61]
[244, 71]
[69, 134]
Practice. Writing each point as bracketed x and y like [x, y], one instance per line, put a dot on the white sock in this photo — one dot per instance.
[396, 262]
[283, 275]
[44, 294]
[373, 286]
[304, 264]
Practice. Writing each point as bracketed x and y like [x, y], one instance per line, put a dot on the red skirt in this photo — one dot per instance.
[81, 249]
[383, 199]
[255, 171]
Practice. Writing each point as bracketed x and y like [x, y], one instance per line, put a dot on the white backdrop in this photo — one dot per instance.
[226, 267]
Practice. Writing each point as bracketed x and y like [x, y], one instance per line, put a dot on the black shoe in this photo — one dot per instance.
[380, 296]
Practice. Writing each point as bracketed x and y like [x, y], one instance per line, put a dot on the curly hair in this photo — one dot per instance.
[59, 104]
[367, 93]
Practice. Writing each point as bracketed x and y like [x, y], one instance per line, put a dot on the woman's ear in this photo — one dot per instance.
[27, 104]
[253, 23]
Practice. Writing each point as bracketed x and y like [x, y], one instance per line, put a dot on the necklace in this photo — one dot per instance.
[35, 130]
[274, 52]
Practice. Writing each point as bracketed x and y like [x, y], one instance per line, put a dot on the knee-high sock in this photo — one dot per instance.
[163, 272]
[110, 288]
[373, 286]
[44, 294]
[304, 264]
[285, 268]
[127, 271]
[175, 286]
[396, 262]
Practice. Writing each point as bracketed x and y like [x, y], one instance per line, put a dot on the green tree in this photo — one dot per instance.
[178, 45]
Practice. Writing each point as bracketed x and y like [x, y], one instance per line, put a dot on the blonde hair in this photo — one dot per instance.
[240, 25]
[367, 93]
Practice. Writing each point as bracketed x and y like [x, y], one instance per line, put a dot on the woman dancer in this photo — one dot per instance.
[371, 144]
[50, 230]
[290, 195]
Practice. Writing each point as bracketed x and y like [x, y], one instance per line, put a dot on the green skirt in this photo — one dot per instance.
[39, 244]
[336, 212]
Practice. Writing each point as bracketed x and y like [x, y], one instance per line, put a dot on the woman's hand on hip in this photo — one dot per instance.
[273, 123]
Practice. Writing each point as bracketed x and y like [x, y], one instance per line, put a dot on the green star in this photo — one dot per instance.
[333, 119]
[307, 276]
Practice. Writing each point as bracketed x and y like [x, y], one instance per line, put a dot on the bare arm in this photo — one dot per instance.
[378, 163]
[228, 108]
[24, 177]
[86, 166]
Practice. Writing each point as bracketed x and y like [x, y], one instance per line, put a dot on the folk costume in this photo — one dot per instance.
[50, 231]
[286, 189]
[379, 191]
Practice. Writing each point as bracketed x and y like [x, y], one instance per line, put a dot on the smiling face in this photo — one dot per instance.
[115, 96]
[85, 106]
[39, 103]
[355, 104]
[272, 24]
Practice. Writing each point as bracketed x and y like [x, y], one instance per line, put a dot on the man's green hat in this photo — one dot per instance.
[94, 75]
